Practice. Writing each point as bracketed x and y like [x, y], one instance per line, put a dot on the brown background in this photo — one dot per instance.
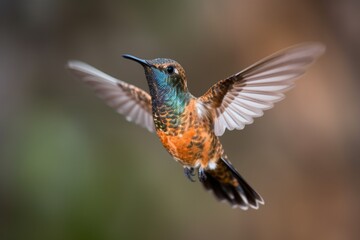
[71, 168]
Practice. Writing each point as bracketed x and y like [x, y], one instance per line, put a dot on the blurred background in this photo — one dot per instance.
[72, 168]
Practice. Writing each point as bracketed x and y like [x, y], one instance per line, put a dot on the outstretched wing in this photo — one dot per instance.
[240, 98]
[127, 99]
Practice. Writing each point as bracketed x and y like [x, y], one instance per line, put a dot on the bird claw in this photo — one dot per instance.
[189, 173]
[202, 175]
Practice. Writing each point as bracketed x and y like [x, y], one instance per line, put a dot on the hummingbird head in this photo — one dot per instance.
[163, 74]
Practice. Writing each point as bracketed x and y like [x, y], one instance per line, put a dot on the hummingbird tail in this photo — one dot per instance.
[227, 185]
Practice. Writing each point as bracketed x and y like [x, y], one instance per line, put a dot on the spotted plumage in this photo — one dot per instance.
[189, 127]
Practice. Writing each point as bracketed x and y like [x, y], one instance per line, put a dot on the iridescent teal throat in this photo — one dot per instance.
[169, 101]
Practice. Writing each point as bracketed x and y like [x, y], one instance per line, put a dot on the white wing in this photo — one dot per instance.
[127, 99]
[240, 98]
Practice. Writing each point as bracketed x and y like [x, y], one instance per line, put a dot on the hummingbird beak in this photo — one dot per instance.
[139, 60]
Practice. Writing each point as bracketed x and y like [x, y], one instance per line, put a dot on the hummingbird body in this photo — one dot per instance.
[189, 127]
[188, 137]
[181, 121]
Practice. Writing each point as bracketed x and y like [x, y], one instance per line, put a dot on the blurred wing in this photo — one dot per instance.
[240, 98]
[127, 99]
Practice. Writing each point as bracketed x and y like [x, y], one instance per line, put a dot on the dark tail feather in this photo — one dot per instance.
[228, 185]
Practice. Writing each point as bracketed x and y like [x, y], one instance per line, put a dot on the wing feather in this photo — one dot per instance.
[245, 95]
[126, 99]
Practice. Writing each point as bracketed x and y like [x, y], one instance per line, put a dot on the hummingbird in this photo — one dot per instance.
[189, 127]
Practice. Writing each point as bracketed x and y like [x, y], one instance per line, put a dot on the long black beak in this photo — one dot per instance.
[139, 60]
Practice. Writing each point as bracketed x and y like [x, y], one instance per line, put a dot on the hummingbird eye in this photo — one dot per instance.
[170, 69]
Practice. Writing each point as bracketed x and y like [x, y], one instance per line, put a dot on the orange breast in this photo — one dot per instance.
[192, 143]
